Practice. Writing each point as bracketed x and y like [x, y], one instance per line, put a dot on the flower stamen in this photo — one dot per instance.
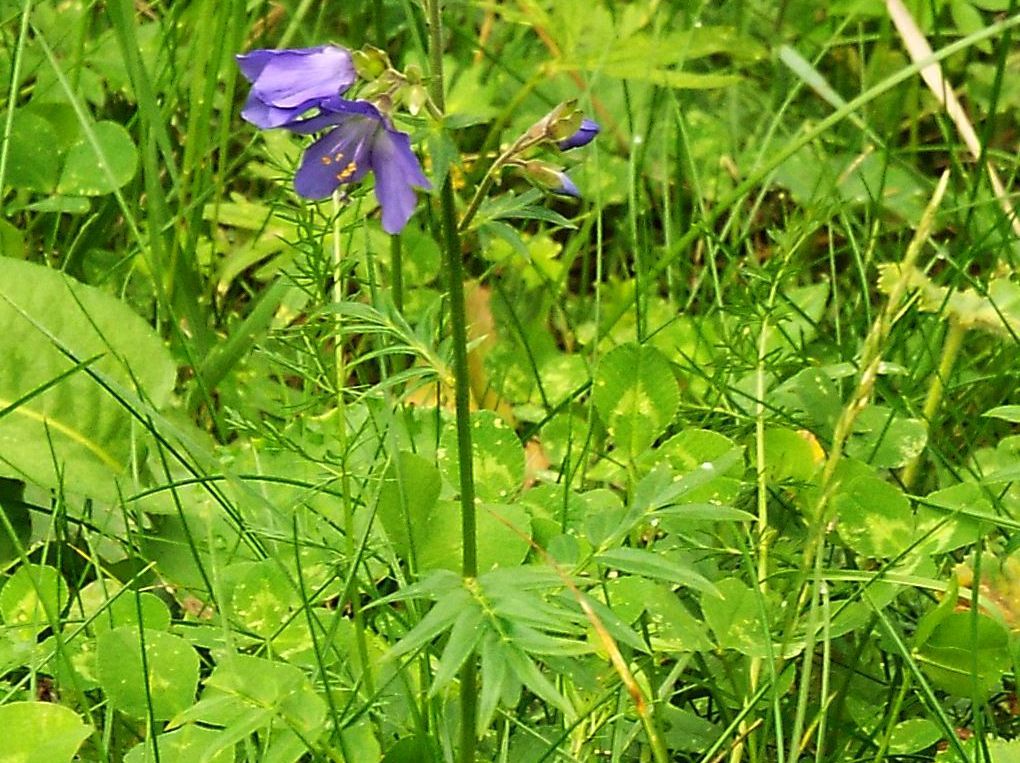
[347, 171]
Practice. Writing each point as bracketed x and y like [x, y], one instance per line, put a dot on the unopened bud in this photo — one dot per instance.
[413, 74]
[416, 97]
[558, 124]
[370, 62]
[550, 178]
[584, 135]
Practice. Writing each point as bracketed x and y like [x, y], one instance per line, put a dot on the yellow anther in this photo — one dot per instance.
[327, 161]
[347, 171]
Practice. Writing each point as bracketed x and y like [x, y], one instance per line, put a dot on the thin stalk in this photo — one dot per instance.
[345, 479]
[936, 390]
[397, 273]
[462, 389]
[12, 96]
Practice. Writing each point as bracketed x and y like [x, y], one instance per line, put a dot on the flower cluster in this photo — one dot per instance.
[288, 83]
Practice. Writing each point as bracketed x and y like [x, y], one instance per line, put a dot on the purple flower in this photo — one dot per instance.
[286, 83]
[585, 134]
[362, 140]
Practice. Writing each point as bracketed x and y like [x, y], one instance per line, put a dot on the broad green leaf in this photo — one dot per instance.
[503, 536]
[74, 658]
[247, 694]
[554, 510]
[914, 735]
[262, 597]
[96, 169]
[791, 455]
[874, 518]
[670, 625]
[415, 749]
[812, 397]
[796, 317]
[735, 619]
[686, 731]
[40, 732]
[1010, 413]
[886, 440]
[168, 681]
[949, 526]
[58, 426]
[30, 597]
[636, 395]
[108, 604]
[407, 499]
[188, 744]
[999, 751]
[967, 653]
[32, 162]
[996, 309]
[498, 457]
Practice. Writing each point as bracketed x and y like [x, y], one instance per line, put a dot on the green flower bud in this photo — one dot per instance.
[370, 62]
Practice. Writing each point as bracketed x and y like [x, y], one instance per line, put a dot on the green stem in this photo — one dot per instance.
[361, 642]
[462, 390]
[397, 273]
[936, 389]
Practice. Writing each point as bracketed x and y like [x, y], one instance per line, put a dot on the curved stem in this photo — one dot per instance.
[462, 390]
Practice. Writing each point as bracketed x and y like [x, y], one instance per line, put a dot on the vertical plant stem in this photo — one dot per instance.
[397, 273]
[345, 480]
[462, 390]
[936, 389]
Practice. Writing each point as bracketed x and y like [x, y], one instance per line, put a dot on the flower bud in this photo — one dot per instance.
[560, 123]
[550, 178]
[370, 62]
[584, 135]
[413, 74]
[416, 96]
